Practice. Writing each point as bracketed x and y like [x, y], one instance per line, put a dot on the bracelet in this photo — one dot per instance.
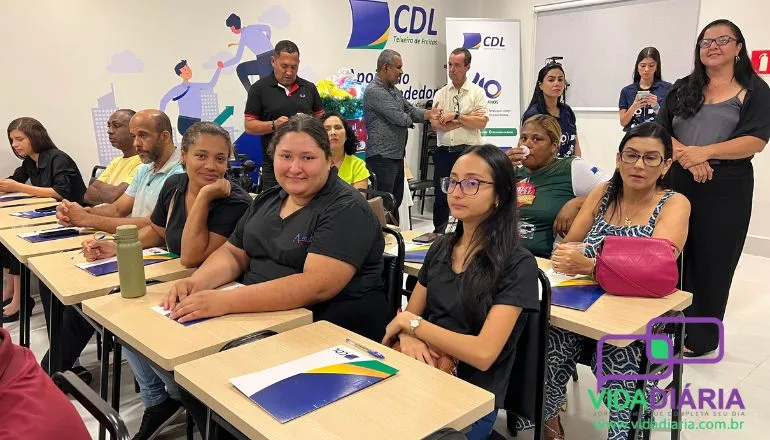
[273, 122]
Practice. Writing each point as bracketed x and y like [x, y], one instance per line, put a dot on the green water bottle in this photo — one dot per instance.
[130, 262]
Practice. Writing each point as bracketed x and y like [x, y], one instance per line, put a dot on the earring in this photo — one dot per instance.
[737, 57]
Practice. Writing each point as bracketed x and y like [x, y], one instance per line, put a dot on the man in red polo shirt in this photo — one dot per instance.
[31, 406]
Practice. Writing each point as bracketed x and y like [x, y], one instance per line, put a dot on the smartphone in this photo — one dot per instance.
[59, 232]
[642, 94]
[426, 238]
[46, 209]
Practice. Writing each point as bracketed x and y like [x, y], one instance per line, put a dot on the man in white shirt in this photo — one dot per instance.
[462, 113]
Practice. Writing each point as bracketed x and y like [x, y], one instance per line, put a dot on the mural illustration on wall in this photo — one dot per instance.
[188, 95]
[255, 37]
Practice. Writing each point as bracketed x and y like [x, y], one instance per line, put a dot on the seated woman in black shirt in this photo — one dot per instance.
[310, 242]
[196, 211]
[474, 283]
[51, 173]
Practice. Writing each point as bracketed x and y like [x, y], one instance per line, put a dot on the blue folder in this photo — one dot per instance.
[417, 256]
[579, 297]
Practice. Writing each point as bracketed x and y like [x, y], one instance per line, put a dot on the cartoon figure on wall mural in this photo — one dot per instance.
[256, 37]
[188, 95]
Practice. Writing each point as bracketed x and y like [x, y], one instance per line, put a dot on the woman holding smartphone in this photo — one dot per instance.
[548, 99]
[641, 100]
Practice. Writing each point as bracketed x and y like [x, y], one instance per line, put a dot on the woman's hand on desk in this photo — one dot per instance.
[571, 262]
[9, 186]
[415, 348]
[98, 249]
[203, 304]
[179, 291]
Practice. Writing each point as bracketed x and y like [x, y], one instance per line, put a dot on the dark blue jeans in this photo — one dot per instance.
[481, 428]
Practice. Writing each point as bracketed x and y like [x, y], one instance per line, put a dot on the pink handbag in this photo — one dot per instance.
[637, 266]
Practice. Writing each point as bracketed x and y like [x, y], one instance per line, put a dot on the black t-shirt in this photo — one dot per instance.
[337, 223]
[518, 287]
[223, 213]
[54, 169]
[267, 101]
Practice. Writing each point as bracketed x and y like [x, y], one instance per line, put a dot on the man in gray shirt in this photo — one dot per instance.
[388, 115]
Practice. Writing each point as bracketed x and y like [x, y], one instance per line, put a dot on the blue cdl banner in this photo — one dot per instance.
[495, 47]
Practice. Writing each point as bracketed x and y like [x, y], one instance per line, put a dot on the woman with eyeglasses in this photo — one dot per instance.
[633, 203]
[550, 190]
[476, 282]
[548, 99]
[640, 101]
[719, 119]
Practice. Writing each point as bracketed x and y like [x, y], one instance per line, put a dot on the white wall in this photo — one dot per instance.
[600, 133]
[57, 55]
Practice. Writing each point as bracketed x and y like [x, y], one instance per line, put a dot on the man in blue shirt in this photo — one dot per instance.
[257, 38]
[188, 95]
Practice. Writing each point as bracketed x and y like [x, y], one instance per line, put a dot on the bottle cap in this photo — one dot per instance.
[127, 232]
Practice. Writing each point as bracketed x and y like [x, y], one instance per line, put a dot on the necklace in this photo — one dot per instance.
[627, 219]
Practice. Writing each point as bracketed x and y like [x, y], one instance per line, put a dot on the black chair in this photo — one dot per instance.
[393, 273]
[107, 417]
[95, 172]
[446, 434]
[388, 201]
[526, 388]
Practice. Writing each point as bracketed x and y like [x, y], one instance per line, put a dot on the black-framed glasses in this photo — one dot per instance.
[456, 100]
[721, 41]
[632, 157]
[469, 187]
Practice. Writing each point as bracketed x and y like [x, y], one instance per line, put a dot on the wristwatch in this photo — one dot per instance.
[413, 324]
[273, 122]
[457, 115]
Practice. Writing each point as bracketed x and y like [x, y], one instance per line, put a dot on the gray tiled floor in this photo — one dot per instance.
[746, 366]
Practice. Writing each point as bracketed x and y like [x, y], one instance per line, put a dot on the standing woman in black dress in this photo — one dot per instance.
[719, 116]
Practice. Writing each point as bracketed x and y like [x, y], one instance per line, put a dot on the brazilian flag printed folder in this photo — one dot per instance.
[301, 386]
[416, 254]
[36, 237]
[33, 214]
[110, 265]
[577, 293]
[11, 197]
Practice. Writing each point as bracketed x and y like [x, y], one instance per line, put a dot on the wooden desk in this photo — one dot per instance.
[415, 402]
[70, 285]
[618, 315]
[23, 249]
[73, 285]
[8, 221]
[168, 343]
[24, 202]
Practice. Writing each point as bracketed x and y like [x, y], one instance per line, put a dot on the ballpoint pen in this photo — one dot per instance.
[376, 354]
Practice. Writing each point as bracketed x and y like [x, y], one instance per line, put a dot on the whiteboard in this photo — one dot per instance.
[600, 42]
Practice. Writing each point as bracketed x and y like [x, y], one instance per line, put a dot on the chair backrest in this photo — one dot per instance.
[379, 209]
[389, 203]
[393, 273]
[372, 178]
[526, 387]
[107, 417]
[253, 337]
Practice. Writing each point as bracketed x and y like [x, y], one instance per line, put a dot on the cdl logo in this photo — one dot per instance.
[474, 40]
[371, 23]
[492, 88]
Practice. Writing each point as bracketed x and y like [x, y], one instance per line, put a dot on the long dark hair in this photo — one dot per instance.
[686, 95]
[493, 239]
[645, 130]
[351, 140]
[648, 52]
[538, 99]
[34, 130]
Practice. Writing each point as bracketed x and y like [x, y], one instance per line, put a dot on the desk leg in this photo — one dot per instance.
[216, 421]
[104, 374]
[24, 314]
[54, 353]
[117, 363]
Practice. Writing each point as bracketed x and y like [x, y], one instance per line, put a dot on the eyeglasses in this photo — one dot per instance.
[632, 157]
[456, 100]
[469, 187]
[721, 41]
